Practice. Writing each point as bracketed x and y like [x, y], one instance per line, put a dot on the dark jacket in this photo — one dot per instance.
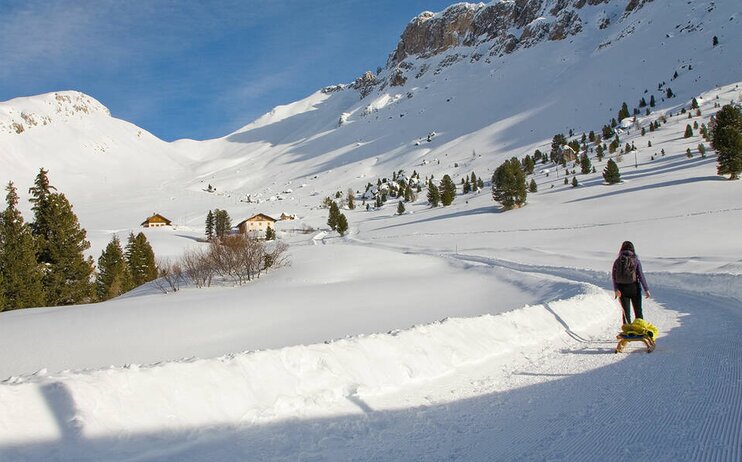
[639, 273]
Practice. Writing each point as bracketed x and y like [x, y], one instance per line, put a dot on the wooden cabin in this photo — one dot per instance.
[256, 224]
[286, 216]
[156, 221]
[567, 154]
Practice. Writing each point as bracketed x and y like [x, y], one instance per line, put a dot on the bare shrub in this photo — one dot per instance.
[170, 275]
[222, 257]
[276, 257]
[244, 258]
[238, 259]
[198, 267]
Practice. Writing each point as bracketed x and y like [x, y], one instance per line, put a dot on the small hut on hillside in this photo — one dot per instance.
[156, 221]
[256, 224]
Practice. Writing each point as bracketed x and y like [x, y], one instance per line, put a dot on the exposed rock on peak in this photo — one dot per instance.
[365, 83]
[21, 114]
[495, 28]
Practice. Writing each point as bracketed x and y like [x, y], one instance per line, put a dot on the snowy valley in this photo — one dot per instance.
[463, 332]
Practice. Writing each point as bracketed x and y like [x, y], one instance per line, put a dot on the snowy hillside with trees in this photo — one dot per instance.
[440, 324]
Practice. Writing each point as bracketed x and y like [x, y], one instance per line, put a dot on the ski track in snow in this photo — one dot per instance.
[552, 401]
[566, 228]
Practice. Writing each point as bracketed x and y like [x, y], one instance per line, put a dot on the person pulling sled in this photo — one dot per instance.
[628, 282]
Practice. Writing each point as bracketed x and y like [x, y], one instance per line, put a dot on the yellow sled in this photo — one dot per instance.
[638, 331]
[624, 339]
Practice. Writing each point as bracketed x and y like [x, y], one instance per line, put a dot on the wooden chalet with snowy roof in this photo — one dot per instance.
[256, 224]
[567, 154]
[156, 221]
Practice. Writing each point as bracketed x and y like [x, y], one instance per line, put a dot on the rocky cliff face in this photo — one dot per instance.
[495, 28]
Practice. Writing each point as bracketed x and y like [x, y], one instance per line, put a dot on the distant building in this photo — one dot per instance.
[256, 224]
[568, 154]
[156, 221]
[286, 216]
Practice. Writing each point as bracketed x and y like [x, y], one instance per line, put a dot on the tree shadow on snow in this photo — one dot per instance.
[487, 210]
[667, 184]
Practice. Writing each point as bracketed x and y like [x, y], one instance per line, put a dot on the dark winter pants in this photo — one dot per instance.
[631, 294]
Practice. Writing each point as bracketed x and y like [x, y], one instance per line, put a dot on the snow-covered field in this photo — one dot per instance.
[451, 333]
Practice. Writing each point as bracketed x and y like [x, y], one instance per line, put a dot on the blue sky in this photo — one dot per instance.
[195, 69]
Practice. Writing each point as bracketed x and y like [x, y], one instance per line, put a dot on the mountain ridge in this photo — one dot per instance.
[447, 110]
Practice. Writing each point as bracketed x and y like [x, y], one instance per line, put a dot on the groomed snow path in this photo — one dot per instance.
[571, 399]
[576, 402]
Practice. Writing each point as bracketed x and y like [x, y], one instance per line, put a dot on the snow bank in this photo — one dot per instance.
[276, 384]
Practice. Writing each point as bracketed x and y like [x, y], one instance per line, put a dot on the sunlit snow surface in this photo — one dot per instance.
[456, 333]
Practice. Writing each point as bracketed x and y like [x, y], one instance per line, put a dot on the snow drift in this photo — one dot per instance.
[276, 384]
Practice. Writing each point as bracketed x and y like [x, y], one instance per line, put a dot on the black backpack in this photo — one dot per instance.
[626, 269]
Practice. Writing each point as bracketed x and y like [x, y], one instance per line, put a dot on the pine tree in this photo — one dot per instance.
[342, 226]
[585, 165]
[222, 223]
[19, 270]
[41, 192]
[607, 131]
[694, 104]
[624, 112]
[332, 219]
[529, 165]
[652, 102]
[270, 233]
[575, 183]
[509, 184]
[611, 173]
[726, 138]
[557, 142]
[599, 152]
[434, 196]
[67, 279]
[2, 286]
[533, 187]
[474, 182]
[350, 199]
[114, 277]
[688, 131]
[400, 208]
[141, 259]
[715, 41]
[447, 190]
[210, 224]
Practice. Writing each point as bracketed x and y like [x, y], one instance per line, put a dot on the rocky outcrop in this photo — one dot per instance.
[23, 114]
[365, 83]
[495, 28]
[431, 33]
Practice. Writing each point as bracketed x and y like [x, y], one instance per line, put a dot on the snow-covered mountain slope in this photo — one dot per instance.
[483, 102]
[101, 163]
[495, 105]
[528, 343]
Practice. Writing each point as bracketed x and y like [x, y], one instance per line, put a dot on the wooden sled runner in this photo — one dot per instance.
[624, 339]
